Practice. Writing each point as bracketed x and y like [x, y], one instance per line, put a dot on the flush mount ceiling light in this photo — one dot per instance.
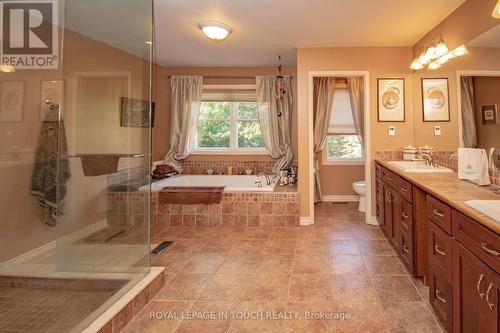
[215, 30]
[496, 11]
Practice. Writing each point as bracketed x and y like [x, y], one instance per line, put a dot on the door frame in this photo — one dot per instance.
[369, 219]
[459, 96]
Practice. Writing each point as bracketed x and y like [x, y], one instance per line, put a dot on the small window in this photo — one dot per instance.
[229, 126]
[343, 145]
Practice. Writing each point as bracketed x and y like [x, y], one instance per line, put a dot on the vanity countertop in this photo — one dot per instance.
[453, 191]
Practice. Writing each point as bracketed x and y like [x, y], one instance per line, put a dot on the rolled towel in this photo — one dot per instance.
[99, 164]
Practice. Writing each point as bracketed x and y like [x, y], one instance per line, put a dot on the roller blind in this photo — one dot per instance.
[341, 121]
[229, 92]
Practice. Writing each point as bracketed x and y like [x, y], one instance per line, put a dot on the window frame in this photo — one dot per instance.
[233, 148]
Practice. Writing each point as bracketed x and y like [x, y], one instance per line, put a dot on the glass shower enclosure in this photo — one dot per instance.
[75, 129]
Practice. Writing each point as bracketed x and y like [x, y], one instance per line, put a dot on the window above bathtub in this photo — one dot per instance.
[228, 123]
[343, 145]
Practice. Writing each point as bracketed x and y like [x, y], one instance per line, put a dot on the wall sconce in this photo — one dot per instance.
[436, 55]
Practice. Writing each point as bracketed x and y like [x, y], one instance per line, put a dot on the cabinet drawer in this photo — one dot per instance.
[406, 189]
[440, 297]
[479, 240]
[390, 178]
[439, 213]
[406, 216]
[378, 171]
[406, 251]
[440, 247]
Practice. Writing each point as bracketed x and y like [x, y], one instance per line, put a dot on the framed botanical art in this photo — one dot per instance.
[435, 99]
[12, 101]
[489, 114]
[51, 92]
[135, 113]
[391, 99]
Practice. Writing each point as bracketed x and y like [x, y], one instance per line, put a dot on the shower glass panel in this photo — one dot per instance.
[75, 131]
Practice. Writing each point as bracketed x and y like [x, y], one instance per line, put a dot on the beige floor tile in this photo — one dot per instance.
[356, 288]
[243, 263]
[204, 263]
[226, 287]
[261, 317]
[363, 318]
[388, 265]
[309, 317]
[310, 264]
[276, 265]
[375, 247]
[217, 319]
[344, 246]
[310, 287]
[268, 287]
[184, 287]
[347, 264]
[410, 317]
[395, 289]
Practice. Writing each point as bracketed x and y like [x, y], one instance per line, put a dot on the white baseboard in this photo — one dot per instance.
[340, 198]
[372, 220]
[72, 237]
[305, 220]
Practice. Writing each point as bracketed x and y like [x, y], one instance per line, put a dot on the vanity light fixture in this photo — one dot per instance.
[215, 30]
[496, 11]
[458, 52]
[441, 48]
[416, 65]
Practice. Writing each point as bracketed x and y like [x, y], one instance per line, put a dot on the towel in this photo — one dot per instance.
[51, 169]
[473, 166]
[99, 164]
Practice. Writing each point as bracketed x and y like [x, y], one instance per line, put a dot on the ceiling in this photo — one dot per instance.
[262, 29]
[490, 38]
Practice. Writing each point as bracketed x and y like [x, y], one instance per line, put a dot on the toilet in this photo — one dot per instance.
[360, 189]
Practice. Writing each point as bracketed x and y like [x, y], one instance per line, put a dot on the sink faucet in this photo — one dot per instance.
[428, 158]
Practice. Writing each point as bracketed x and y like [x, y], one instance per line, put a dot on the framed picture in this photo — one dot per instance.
[135, 113]
[51, 92]
[489, 114]
[12, 101]
[391, 100]
[435, 99]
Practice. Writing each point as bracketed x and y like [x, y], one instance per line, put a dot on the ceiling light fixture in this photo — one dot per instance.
[458, 52]
[437, 55]
[215, 30]
[496, 11]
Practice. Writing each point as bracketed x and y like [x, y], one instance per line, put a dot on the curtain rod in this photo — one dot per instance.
[226, 76]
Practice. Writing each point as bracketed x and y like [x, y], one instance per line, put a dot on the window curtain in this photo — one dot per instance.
[324, 89]
[469, 135]
[275, 130]
[186, 96]
[356, 94]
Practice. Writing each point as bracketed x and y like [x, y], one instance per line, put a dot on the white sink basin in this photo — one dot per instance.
[490, 208]
[417, 166]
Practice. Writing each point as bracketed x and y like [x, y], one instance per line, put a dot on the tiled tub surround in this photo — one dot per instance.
[243, 209]
[199, 167]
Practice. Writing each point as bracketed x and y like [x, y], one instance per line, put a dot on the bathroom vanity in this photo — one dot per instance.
[452, 247]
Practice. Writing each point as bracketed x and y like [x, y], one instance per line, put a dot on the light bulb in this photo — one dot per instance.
[423, 58]
[431, 53]
[460, 51]
[441, 48]
[416, 65]
[434, 65]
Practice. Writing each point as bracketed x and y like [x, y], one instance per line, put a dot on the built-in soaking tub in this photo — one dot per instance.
[230, 183]
[242, 203]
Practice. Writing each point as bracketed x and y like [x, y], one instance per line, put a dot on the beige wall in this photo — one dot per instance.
[338, 179]
[379, 62]
[21, 227]
[479, 59]
[161, 135]
[469, 20]
[486, 92]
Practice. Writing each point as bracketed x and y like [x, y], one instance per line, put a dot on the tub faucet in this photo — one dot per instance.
[268, 179]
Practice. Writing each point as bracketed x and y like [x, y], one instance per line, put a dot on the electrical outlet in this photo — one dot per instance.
[437, 130]
[392, 130]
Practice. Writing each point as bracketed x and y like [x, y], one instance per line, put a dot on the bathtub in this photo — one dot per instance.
[231, 183]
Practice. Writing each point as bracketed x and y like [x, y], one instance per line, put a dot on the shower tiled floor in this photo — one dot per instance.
[50, 305]
[339, 275]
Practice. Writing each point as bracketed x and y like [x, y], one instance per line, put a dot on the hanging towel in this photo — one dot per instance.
[473, 166]
[51, 169]
[99, 164]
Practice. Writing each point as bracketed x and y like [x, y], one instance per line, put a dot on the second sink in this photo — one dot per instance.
[417, 167]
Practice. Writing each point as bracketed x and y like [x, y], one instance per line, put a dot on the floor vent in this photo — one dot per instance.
[162, 247]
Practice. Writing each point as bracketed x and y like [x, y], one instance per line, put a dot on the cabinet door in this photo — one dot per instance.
[388, 211]
[475, 293]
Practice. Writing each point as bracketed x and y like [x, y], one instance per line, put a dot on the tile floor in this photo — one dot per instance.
[339, 275]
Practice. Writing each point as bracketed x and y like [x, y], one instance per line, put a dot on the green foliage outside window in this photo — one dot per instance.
[344, 147]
